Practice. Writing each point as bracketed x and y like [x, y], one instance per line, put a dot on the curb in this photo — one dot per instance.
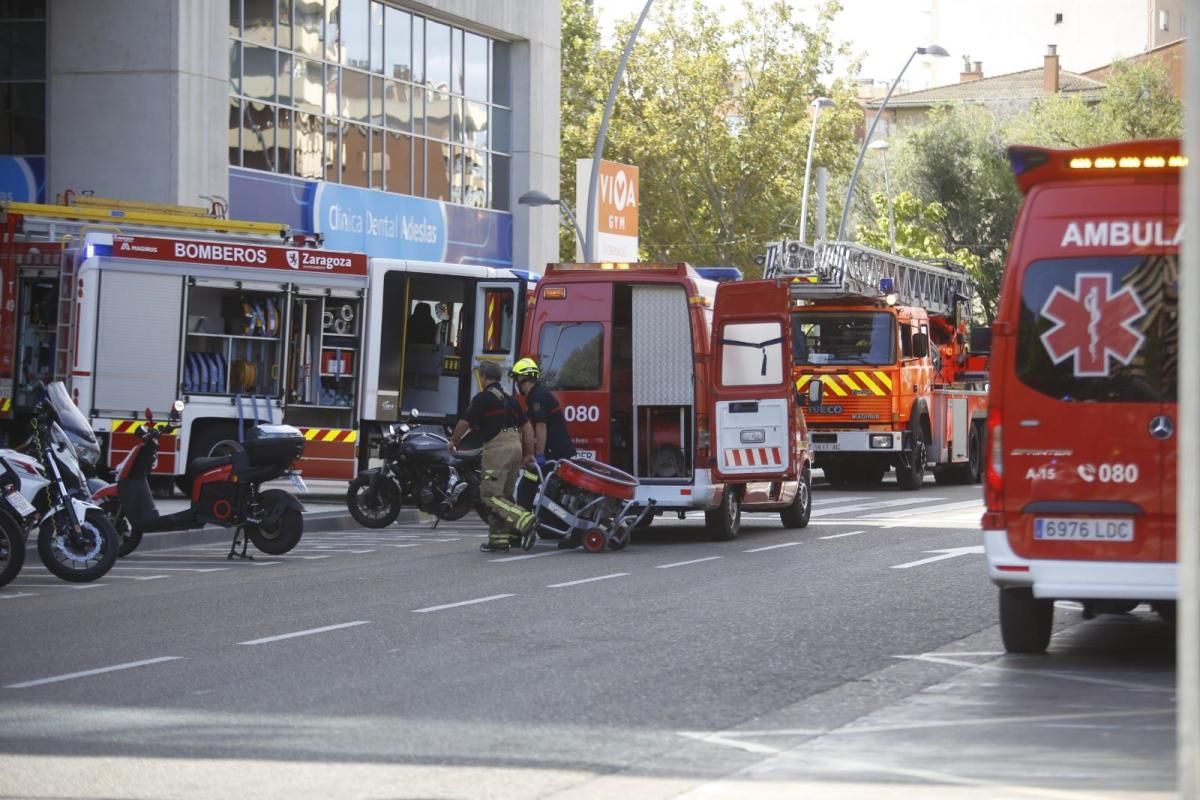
[314, 522]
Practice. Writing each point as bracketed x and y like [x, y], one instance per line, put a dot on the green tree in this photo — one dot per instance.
[1137, 103]
[957, 164]
[582, 97]
[716, 116]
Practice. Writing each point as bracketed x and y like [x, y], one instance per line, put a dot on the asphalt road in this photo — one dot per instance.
[857, 657]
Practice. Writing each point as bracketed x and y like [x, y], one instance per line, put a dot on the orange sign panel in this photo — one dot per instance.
[618, 199]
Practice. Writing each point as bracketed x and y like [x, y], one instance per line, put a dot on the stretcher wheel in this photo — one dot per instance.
[620, 538]
[593, 541]
[597, 478]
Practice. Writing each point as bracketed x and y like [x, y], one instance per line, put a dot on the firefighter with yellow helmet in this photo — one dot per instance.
[507, 444]
[552, 442]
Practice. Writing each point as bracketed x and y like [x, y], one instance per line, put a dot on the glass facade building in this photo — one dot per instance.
[369, 94]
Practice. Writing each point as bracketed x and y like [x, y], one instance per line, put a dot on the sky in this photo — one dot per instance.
[1005, 35]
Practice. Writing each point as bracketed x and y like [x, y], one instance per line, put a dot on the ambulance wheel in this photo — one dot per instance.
[1025, 621]
[725, 521]
[910, 471]
[593, 541]
[796, 515]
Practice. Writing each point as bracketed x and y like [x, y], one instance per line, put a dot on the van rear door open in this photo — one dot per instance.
[754, 407]
[1088, 412]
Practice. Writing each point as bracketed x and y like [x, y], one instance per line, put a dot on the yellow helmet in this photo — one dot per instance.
[525, 368]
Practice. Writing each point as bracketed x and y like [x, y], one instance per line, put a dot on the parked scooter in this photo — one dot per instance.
[418, 469]
[225, 489]
[46, 489]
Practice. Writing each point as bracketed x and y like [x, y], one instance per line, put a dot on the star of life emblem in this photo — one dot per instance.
[1093, 325]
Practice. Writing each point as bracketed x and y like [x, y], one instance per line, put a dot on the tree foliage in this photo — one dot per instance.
[1137, 103]
[716, 115]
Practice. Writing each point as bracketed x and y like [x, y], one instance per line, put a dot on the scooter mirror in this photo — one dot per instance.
[177, 406]
[416, 412]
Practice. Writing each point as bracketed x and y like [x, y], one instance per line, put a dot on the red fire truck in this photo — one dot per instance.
[135, 305]
[888, 339]
[704, 424]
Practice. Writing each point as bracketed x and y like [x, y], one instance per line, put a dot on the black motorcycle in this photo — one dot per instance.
[418, 470]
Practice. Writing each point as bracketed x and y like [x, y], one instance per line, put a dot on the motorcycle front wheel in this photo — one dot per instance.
[376, 509]
[82, 557]
[12, 550]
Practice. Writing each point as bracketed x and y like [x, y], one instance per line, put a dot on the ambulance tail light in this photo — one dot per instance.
[703, 440]
[995, 461]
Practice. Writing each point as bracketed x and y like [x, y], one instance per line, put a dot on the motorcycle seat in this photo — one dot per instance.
[201, 465]
[467, 458]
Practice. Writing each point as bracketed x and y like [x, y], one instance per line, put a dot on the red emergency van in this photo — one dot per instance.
[628, 350]
[1081, 459]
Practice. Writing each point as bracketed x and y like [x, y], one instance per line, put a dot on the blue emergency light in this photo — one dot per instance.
[886, 286]
[720, 274]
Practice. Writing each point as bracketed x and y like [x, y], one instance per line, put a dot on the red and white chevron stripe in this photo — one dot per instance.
[753, 457]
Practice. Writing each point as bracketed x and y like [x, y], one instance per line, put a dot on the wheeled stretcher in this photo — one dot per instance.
[583, 501]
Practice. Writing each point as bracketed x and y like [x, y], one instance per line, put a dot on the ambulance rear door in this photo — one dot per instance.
[498, 310]
[753, 402]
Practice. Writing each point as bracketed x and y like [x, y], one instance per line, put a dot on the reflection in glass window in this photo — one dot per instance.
[501, 79]
[235, 132]
[354, 165]
[308, 85]
[437, 55]
[376, 37]
[259, 21]
[437, 115]
[235, 18]
[475, 67]
[437, 170]
[307, 29]
[398, 162]
[418, 112]
[498, 190]
[309, 151]
[283, 31]
[751, 354]
[456, 60]
[356, 23]
[474, 178]
[418, 50]
[419, 167]
[397, 49]
[333, 48]
[258, 73]
[258, 136]
[334, 154]
[376, 172]
[283, 140]
[851, 338]
[23, 118]
[571, 355]
[235, 67]
[283, 85]
[456, 121]
[475, 123]
[354, 95]
[397, 105]
[376, 115]
[501, 129]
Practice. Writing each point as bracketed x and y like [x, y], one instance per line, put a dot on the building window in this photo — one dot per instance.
[23, 77]
[365, 93]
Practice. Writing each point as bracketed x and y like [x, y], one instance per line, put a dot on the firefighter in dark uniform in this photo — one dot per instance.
[551, 440]
[507, 444]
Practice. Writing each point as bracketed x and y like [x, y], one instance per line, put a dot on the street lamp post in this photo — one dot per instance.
[882, 146]
[817, 105]
[536, 198]
[932, 50]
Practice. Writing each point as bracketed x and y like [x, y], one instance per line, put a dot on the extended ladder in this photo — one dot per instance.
[842, 269]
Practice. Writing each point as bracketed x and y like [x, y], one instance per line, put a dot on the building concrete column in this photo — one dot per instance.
[138, 99]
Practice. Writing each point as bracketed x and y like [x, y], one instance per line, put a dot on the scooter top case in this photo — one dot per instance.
[271, 450]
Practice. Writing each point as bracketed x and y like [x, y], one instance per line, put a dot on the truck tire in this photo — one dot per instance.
[725, 521]
[797, 514]
[1025, 621]
[910, 470]
[975, 455]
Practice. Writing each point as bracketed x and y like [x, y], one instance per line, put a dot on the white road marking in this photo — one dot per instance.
[136, 577]
[587, 580]
[410, 544]
[6, 596]
[963, 505]
[834, 499]
[89, 672]
[840, 535]
[716, 738]
[771, 547]
[950, 552]
[308, 632]
[487, 599]
[157, 568]
[874, 506]
[530, 555]
[53, 585]
[685, 563]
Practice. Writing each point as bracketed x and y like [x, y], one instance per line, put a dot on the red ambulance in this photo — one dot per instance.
[1081, 452]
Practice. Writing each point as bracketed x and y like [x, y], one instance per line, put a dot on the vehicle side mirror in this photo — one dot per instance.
[816, 392]
[416, 412]
[920, 345]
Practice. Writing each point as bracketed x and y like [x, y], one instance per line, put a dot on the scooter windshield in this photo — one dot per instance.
[73, 422]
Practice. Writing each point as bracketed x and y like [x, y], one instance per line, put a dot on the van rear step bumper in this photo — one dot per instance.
[1079, 580]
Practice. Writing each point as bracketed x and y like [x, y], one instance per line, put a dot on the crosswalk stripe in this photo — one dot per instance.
[874, 506]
